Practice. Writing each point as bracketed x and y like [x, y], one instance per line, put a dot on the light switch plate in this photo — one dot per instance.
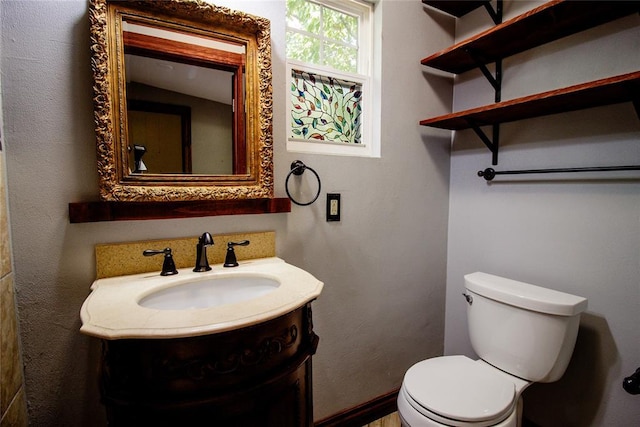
[333, 207]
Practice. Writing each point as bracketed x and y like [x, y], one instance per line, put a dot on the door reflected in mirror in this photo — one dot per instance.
[185, 102]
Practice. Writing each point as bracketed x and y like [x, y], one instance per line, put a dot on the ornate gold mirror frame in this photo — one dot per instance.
[116, 182]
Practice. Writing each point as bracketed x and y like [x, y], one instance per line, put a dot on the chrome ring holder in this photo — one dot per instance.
[298, 168]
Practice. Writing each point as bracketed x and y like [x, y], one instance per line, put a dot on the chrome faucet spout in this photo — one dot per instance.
[202, 263]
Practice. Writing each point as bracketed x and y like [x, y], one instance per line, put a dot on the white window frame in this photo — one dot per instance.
[368, 75]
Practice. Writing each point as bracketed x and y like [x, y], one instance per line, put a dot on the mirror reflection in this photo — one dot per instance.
[182, 101]
[185, 102]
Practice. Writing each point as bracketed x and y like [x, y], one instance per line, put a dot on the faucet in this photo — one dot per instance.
[202, 264]
[168, 266]
[230, 259]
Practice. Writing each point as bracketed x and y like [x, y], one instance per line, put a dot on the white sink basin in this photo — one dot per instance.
[189, 304]
[210, 293]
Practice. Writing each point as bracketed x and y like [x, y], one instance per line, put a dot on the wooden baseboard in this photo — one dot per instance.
[372, 410]
[363, 414]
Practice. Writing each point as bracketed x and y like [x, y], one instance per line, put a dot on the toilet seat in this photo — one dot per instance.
[458, 391]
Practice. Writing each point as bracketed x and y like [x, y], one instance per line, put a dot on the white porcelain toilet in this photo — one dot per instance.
[522, 334]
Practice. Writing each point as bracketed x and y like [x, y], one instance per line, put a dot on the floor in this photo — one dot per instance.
[391, 420]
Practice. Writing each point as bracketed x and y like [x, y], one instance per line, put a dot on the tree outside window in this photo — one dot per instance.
[320, 35]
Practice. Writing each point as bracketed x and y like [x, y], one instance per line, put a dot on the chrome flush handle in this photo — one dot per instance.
[468, 297]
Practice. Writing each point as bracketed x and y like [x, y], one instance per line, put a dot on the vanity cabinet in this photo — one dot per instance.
[258, 375]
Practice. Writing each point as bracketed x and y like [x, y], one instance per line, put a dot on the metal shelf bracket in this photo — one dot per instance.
[495, 81]
[495, 14]
[492, 144]
[636, 101]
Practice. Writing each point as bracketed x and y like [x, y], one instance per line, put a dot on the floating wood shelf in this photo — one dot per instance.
[129, 211]
[456, 8]
[607, 91]
[549, 22]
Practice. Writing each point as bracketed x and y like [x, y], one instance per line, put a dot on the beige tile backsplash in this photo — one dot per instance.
[5, 247]
[10, 364]
[13, 406]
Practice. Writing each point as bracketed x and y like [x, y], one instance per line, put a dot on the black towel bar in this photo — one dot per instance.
[488, 174]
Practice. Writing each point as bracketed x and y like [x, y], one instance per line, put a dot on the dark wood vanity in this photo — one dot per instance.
[255, 376]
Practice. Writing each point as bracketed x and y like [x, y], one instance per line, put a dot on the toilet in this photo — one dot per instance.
[522, 334]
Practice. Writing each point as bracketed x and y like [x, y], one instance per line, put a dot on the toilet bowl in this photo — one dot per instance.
[458, 391]
[522, 334]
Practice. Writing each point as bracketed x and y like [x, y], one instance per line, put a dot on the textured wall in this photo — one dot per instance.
[383, 265]
[576, 234]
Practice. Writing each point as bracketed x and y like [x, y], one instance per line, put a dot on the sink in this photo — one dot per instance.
[190, 304]
[210, 293]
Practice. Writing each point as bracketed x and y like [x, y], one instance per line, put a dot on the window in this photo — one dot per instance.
[330, 63]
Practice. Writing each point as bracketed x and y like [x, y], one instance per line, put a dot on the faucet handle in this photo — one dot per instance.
[168, 266]
[230, 259]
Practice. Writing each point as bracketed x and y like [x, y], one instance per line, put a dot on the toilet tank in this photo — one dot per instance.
[525, 330]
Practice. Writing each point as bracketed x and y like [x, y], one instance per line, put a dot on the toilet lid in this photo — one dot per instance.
[459, 388]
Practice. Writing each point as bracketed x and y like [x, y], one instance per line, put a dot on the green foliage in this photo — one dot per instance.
[302, 48]
[303, 15]
[320, 35]
[340, 27]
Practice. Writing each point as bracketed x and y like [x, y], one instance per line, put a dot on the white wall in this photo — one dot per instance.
[576, 234]
[383, 265]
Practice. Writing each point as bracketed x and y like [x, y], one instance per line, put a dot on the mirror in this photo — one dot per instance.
[182, 101]
[185, 102]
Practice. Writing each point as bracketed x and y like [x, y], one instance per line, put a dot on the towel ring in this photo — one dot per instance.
[298, 168]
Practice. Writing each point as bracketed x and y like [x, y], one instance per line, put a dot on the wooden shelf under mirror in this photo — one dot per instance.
[612, 90]
[551, 21]
[131, 211]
